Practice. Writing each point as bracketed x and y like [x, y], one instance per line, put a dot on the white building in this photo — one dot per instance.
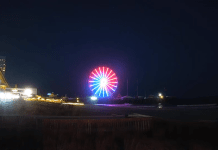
[23, 92]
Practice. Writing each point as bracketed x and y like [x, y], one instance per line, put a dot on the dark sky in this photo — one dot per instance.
[54, 45]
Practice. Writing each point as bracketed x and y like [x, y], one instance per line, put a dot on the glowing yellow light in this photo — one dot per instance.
[14, 90]
[79, 104]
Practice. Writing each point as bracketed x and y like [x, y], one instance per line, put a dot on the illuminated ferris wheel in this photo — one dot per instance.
[103, 81]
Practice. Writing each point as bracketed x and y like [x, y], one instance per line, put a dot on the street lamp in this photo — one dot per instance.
[160, 96]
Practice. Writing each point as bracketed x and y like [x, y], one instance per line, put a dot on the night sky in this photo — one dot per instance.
[54, 45]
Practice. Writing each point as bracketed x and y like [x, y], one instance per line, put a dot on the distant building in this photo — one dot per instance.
[3, 64]
[140, 97]
[119, 96]
[52, 95]
[22, 91]
[126, 98]
[151, 97]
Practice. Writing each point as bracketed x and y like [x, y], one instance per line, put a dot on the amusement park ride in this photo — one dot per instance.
[103, 83]
[3, 82]
[28, 94]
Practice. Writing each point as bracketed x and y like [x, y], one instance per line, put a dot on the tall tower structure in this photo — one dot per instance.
[3, 64]
[3, 82]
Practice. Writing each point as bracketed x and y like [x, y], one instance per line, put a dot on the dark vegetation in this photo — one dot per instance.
[104, 134]
[26, 131]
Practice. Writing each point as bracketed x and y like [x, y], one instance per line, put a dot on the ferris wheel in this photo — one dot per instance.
[103, 82]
